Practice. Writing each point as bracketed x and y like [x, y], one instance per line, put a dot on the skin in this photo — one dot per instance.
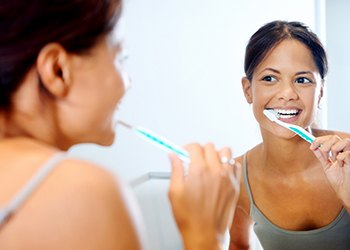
[198, 204]
[297, 187]
[80, 205]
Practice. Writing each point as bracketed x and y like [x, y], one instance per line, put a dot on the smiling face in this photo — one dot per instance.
[287, 81]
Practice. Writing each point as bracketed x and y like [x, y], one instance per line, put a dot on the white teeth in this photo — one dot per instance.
[286, 113]
[285, 116]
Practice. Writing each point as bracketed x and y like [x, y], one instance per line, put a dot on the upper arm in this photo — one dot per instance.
[240, 229]
[104, 215]
[78, 206]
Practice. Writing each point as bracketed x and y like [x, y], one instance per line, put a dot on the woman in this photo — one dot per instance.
[297, 195]
[59, 87]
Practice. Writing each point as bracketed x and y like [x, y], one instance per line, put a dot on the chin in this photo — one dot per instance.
[105, 140]
[279, 132]
[285, 134]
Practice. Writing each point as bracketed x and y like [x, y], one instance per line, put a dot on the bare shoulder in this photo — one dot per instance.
[80, 205]
[323, 132]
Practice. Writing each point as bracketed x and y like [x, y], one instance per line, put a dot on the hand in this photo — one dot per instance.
[203, 202]
[334, 155]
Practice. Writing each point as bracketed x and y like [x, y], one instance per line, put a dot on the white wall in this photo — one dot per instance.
[186, 61]
[338, 42]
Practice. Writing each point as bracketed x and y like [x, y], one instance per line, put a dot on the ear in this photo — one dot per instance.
[53, 69]
[246, 86]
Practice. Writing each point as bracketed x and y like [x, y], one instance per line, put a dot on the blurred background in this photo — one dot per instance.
[186, 64]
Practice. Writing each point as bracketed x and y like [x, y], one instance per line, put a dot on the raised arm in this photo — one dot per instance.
[204, 201]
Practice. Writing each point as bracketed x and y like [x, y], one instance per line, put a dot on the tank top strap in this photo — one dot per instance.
[246, 182]
[29, 188]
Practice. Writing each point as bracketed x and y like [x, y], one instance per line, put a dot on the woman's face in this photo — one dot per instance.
[288, 82]
[97, 91]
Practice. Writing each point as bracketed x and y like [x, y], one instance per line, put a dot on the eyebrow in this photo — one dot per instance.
[304, 72]
[278, 72]
[271, 69]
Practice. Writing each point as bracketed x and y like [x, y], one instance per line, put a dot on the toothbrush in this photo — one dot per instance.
[296, 129]
[158, 141]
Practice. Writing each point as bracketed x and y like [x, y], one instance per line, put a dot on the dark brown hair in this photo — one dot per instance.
[273, 33]
[27, 26]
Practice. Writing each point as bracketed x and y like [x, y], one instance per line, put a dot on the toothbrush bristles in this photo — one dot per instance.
[270, 115]
[124, 124]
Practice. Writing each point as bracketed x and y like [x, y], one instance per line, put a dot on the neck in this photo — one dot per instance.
[286, 155]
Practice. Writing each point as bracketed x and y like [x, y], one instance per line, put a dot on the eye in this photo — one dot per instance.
[269, 79]
[303, 80]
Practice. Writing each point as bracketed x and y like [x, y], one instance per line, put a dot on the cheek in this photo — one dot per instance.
[260, 99]
[310, 98]
[311, 106]
[261, 96]
[114, 82]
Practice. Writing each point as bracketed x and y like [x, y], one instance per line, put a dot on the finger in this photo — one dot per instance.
[197, 158]
[347, 157]
[322, 157]
[212, 157]
[347, 147]
[342, 145]
[344, 158]
[177, 175]
[320, 141]
[328, 143]
[317, 143]
[226, 159]
[338, 147]
[236, 175]
[238, 171]
[226, 156]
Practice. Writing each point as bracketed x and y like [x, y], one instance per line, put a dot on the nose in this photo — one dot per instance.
[287, 91]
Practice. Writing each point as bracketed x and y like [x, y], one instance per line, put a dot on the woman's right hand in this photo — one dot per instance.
[204, 201]
[334, 155]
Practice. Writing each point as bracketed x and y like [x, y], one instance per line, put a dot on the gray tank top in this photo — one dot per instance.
[334, 236]
[7, 211]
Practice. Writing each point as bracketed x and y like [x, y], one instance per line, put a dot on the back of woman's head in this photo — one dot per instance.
[273, 33]
[27, 26]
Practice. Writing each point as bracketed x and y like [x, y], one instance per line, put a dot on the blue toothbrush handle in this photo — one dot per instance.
[163, 143]
[304, 134]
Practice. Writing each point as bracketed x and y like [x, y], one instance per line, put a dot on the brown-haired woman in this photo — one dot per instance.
[59, 87]
[295, 196]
